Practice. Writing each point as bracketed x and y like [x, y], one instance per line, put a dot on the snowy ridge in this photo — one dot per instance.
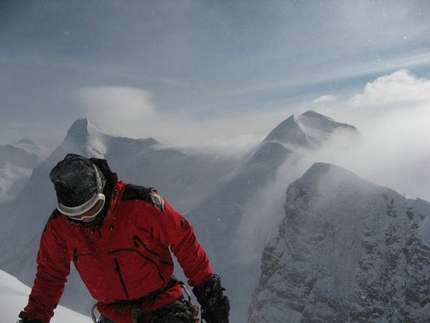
[13, 298]
[32, 148]
[12, 179]
[309, 130]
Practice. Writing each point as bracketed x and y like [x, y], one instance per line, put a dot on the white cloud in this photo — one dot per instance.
[232, 135]
[118, 109]
[394, 90]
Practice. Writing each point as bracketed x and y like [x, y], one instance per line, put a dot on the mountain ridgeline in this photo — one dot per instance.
[309, 258]
[309, 130]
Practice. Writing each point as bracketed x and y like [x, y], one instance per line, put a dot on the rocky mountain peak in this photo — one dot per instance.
[309, 130]
[347, 251]
[80, 129]
[86, 138]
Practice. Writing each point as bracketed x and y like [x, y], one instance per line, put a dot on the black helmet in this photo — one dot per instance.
[78, 184]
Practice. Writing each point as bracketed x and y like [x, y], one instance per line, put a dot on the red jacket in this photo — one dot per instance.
[127, 258]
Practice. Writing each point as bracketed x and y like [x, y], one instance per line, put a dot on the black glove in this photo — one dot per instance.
[28, 321]
[215, 305]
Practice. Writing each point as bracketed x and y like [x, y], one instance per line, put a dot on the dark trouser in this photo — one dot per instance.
[177, 312]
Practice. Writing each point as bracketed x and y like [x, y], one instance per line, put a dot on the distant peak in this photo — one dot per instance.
[79, 124]
[288, 131]
[26, 142]
[80, 129]
[322, 123]
[83, 125]
[317, 117]
[308, 130]
[88, 138]
[31, 146]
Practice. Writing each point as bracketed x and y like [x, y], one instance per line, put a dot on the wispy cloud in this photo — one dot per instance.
[117, 107]
[201, 61]
[325, 98]
[131, 112]
[397, 89]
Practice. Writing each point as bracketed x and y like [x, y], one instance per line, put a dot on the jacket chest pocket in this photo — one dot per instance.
[141, 251]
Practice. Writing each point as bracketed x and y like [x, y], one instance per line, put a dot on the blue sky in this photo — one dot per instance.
[196, 72]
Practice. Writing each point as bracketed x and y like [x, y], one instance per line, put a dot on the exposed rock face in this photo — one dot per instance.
[347, 251]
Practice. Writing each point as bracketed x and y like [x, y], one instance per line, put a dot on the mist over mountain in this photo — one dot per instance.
[347, 251]
[234, 203]
[234, 224]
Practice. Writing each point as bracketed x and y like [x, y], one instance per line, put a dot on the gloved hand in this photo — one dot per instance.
[215, 305]
[28, 321]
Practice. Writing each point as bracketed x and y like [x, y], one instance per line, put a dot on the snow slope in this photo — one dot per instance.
[13, 298]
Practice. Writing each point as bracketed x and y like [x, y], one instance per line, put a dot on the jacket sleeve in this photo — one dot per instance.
[53, 267]
[176, 232]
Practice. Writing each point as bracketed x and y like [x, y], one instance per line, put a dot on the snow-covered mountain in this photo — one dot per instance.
[235, 206]
[219, 215]
[14, 296]
[234, 224]
[347, 251]
[17, 162]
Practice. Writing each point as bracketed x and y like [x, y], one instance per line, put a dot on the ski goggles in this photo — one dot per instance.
[88, 210]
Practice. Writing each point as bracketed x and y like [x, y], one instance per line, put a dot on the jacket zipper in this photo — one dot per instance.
[121, 279]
